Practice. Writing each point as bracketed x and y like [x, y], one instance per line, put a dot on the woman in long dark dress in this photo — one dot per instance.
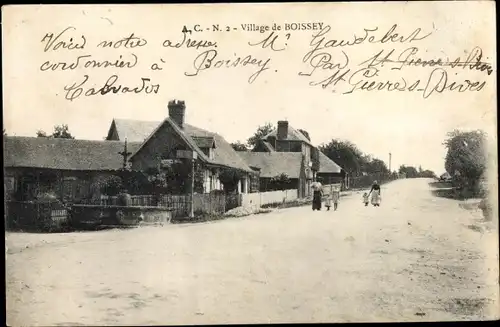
[375, 192]
[317, 195]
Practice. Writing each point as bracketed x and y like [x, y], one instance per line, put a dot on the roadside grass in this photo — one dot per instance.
[439, 185]
[444, 190]
[467, 201]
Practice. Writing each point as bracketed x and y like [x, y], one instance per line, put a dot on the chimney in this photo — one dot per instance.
[282, 130]
[176, 111]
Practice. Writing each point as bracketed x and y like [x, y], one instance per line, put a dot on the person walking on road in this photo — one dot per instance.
[317, 194]
[375, 192]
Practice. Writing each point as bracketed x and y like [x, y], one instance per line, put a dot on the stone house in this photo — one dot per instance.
[287, 150]
[66, 167]
[161, 141]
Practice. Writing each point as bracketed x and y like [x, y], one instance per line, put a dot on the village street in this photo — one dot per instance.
[418, 257]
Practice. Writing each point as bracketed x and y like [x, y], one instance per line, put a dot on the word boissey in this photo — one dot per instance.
[303, 26]
[84, 61]
[209, 59]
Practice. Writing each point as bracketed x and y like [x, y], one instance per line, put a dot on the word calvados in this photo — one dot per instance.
[76, 90]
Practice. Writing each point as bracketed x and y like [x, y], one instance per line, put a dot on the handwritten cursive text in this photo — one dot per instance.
[85, 61]
[54, 42]
[190, 43]
[409, 58]
[76, 90]
[209, 60]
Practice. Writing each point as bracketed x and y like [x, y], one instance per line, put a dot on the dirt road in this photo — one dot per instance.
[416, 258]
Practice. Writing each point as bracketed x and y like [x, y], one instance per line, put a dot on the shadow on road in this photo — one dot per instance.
[66, 229]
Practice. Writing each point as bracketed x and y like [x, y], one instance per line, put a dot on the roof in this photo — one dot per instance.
[327, 165]
[293, 135]
[134, 130]
[64, 154]
[267, 145]
[195, 137]
[274, 163]
[204, 141]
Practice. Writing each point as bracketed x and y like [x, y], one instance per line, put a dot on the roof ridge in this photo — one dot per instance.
[138, 120]
[187, 138]
[65, 154]
[62, 139]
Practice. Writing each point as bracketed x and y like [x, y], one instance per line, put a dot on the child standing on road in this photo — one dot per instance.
[366, 199]
[335, 198]
[328, 201]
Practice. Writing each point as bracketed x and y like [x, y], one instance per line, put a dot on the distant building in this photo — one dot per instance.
[287, 150]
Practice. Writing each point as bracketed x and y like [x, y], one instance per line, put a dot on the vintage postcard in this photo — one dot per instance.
[250, 163]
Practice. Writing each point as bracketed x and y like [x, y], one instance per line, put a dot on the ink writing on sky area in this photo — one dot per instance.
[328, 62]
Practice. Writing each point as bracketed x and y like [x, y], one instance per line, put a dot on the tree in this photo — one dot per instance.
[238, 146]
[410, 172]
[427, 174]
[345, 154]
[280, 181]
[108, 185]
[60, 131]
[394, 175]
[229, 177]
[259, 134]
[466, 157]
[158, 182]
[376, 166]
[41, 133]
[305, 133]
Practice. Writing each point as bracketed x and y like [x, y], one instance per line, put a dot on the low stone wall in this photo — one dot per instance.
[257, 200]
[153, 215]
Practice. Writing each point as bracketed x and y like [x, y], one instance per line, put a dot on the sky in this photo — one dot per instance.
[222, 100]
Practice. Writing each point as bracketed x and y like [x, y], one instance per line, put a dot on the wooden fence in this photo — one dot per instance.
[180, 204]
[39, 216]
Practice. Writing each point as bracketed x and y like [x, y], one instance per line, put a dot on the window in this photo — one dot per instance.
[295, 147]
[209, 152]
[10, 184]
[69, 184]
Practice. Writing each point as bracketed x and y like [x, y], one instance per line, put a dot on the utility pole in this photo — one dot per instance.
[390, 158]
[191, 156]
[191, 209]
